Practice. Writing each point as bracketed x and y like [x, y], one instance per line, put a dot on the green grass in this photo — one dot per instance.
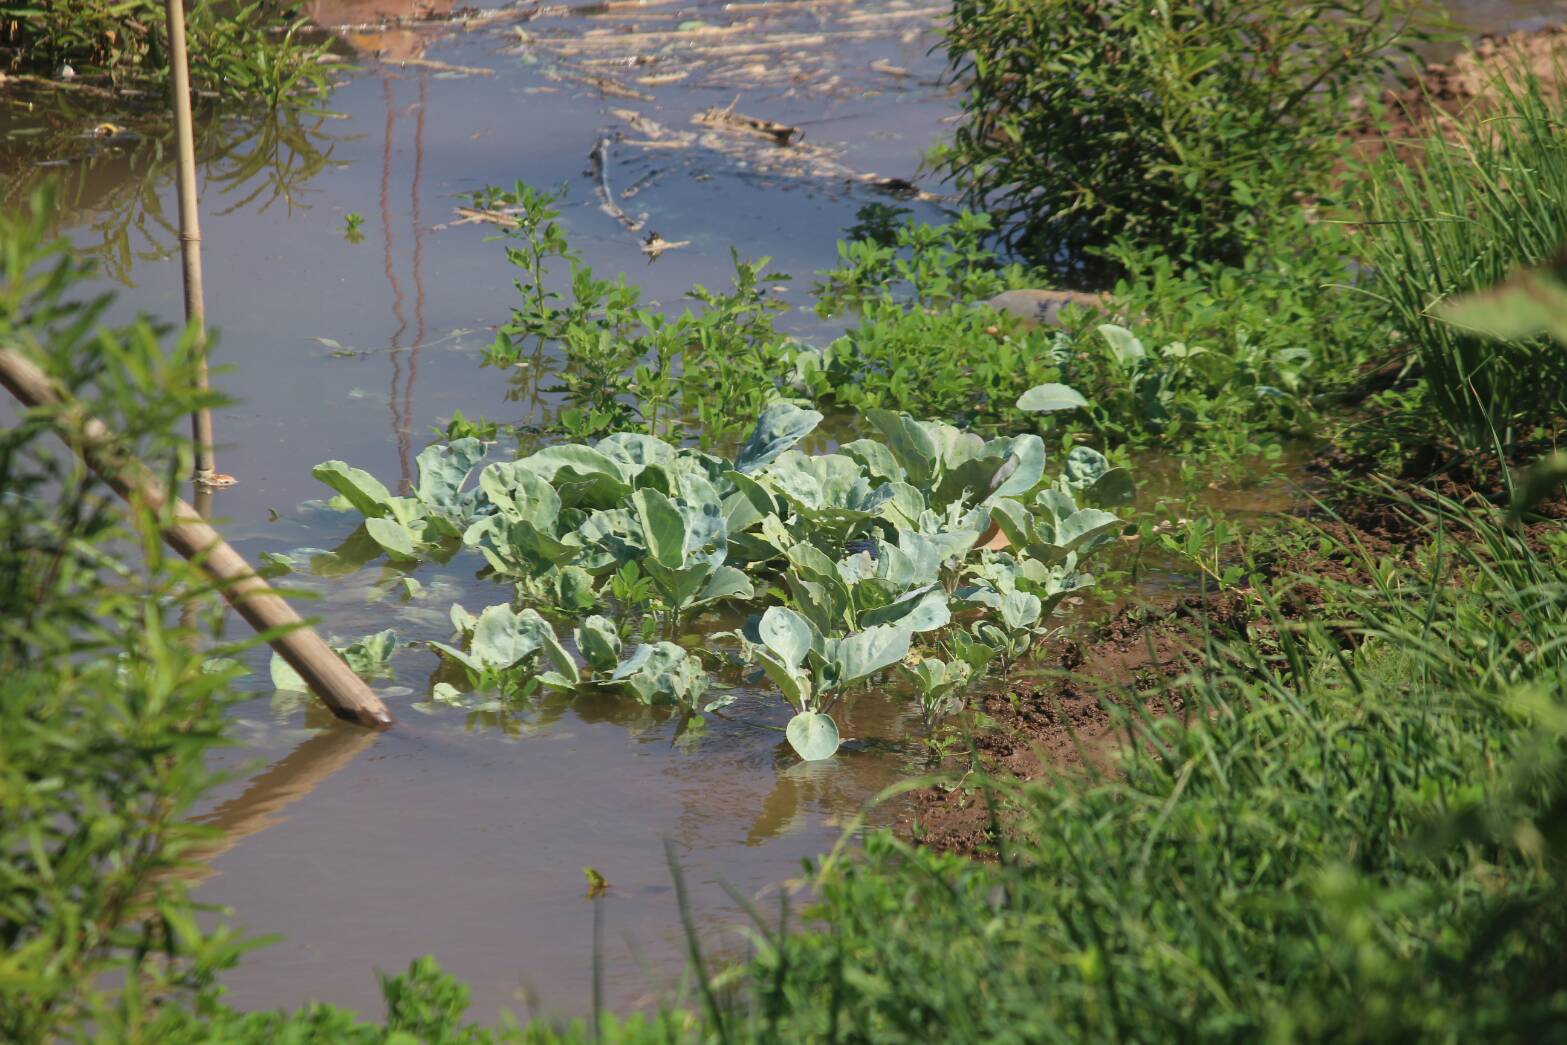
[1349, 829]
[1468, 210]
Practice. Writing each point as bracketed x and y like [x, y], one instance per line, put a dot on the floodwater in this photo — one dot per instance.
[464, 834]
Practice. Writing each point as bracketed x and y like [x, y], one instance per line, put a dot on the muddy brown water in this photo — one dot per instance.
[463, 834]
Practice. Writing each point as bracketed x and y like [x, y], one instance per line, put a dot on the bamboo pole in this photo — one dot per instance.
[190, 535]
[205, 470]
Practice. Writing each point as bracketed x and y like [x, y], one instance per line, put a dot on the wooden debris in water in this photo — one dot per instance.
[798, 160]
[654, 245]
[603, 84]
[726, 119]
[470, 215]
[902, 14]
[660, 79]
[440, 67]
[780, 6]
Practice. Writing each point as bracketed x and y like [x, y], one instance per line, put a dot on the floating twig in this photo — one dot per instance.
[603, 84]
[469, 216]
[440, 67]
[726, 119]
[600, 160]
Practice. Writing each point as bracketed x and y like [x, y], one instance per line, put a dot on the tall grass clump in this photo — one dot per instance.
[1485, 196]
[1190, 127]
[1346, 829]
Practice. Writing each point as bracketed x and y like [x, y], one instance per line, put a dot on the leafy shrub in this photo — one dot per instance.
[931, 264]
[922, 339]
[244, 53]
[1186, 126]
[110, 699]
[699, 374]
[1478, 203]
[1227, 357]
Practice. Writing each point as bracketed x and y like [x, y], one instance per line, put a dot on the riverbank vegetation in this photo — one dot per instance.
[1330, 801]
[248, 54]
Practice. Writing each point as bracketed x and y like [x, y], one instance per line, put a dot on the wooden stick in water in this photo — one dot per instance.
[190, 232]
[190, 535]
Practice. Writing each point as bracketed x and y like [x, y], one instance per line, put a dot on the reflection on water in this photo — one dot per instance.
[112, 183]
[405, 358]
[291, 778]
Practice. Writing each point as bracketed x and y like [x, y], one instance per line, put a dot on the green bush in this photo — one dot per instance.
[241, 52]
[1477, 203]
[110, 701]
[1230, 358]
[1188, 126]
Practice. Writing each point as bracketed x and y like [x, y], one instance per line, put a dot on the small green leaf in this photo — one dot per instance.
[871, 650]
[812, 735]
[1050, 398]
[780, 427]
[787, 634]
[1123, 344]
[663, 527]
[393, 536]
[285, 677]
[599, 642]
[357, 486]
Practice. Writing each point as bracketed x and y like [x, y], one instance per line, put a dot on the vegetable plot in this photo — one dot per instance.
[855, 561]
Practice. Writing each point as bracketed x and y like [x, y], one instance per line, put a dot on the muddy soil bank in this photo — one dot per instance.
[1472, 79]
[1064, 717]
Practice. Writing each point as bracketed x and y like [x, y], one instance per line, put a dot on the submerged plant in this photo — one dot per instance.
[857, 556]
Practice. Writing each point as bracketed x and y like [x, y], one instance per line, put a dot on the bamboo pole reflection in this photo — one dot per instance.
[271, 792]
[405, 357]
[392, 281]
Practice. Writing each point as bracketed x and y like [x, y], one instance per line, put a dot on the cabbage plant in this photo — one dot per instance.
[852, 559]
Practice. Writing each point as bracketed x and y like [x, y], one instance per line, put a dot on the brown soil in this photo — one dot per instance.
[1055, 721]
[1441, 91]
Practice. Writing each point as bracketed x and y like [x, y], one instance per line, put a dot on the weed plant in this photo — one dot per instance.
[1231, 371]
[243, 53]
[1481, 199]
